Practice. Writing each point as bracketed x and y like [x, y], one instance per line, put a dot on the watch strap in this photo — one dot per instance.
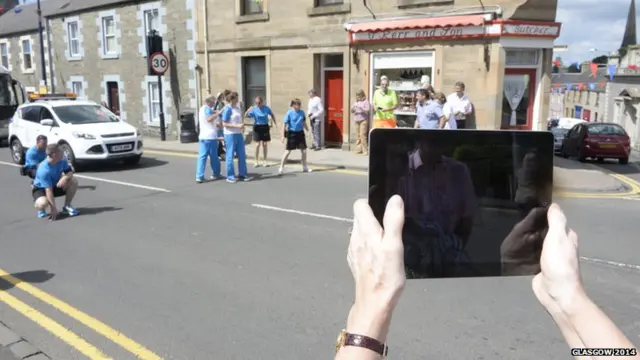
[366, 342]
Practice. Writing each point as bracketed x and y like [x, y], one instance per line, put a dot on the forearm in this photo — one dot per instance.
[50, 198]
[370, 323]
[568, 331]
[593, 326]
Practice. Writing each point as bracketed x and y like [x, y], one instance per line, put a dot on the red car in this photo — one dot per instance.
[597, 141]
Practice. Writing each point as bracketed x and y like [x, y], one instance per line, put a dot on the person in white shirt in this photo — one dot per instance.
[208, 121]
[315, 112]
[461, 105]
[451, 123]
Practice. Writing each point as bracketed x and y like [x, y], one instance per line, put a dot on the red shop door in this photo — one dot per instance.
[586, 115]
[333, 81]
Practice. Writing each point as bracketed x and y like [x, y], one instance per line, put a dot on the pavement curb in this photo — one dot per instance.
[273, 159]
[18, 347]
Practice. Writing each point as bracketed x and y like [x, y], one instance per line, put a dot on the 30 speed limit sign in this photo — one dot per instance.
[159, 63]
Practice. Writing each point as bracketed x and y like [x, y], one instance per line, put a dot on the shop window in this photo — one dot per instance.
[573, 113]
[254, 79]
[250, 7]
[517, 100]
[522, 57]
[407, 73]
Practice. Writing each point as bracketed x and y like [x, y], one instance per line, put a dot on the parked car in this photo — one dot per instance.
[552, 123]
[597, 141]
[558, 136]
[85, 130]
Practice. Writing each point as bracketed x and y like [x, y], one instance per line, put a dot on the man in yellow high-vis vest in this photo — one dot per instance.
[385, 101]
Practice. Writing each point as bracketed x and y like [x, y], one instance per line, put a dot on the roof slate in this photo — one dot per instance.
[601, 79]
[77, 6]
[25, 20]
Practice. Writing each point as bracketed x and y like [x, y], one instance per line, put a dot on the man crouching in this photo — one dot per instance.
[54, 178]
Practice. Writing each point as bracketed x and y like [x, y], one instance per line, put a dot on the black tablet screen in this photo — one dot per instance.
[475, 201]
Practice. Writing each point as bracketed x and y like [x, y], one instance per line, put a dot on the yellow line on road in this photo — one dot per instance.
[53, 327]
[632, 184]
[101, 328]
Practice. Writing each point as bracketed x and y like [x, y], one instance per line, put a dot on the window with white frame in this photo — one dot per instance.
[27, 55]
[109, 35]
[151, 20]
[4, 54]
[77, 88]
[154, 102]
[73, 35]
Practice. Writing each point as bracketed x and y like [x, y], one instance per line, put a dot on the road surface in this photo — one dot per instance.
[160, 266]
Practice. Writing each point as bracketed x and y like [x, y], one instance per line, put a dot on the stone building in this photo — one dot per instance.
[100, 54]
[281, 49]
[623, 94]
[580, 95]
[20, 43]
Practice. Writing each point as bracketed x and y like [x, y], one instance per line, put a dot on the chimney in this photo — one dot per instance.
[585, 67]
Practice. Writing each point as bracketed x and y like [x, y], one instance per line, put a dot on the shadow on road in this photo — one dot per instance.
[84, 211]
[32, 277]
[87, 187]
[118, 166]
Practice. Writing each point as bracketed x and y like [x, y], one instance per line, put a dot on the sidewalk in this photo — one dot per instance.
[326, 158]
[13, 347]
[568, 175]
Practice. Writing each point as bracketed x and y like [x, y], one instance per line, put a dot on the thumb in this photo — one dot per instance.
[393, 220]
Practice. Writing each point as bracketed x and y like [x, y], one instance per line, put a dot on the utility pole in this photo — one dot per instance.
[41, 31]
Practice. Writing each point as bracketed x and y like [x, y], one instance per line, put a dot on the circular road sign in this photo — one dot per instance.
[159, 63]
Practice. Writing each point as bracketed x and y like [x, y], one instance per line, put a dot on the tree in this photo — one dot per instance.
[602, 59]
[574, 69]
[622, 52]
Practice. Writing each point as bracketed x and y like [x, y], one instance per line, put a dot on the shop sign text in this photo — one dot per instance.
[443, 32]
[530, 30]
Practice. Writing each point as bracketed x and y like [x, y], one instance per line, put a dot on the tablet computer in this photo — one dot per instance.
[475, 201]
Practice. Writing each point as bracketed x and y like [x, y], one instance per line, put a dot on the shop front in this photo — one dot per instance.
[505, 64]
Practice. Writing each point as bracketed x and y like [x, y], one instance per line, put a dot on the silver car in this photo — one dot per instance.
[558, 135]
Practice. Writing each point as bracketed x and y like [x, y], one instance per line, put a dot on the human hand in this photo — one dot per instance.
[376, 260]
[62, 182]
[558, 283]
[520, 250]
[54, 214]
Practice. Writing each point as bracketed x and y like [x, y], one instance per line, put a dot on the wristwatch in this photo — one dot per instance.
[347, 339]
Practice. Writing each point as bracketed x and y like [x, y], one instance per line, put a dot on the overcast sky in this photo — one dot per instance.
[588, 24]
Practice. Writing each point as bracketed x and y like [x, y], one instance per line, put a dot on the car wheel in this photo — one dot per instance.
[68, 152]
[132, 161]
[623, 161]
[562, 153]
[17, 152]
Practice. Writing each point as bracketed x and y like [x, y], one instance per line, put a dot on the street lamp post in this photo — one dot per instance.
[41, 31]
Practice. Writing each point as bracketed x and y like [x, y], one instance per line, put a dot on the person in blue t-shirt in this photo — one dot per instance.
[54, 178]
[34, 156]
[293, 132]
[260, 113]
[234, 139]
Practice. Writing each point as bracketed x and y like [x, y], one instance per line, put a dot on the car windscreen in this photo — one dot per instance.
[6, 93]
[606, 129]
[84, 114]
[559, 132]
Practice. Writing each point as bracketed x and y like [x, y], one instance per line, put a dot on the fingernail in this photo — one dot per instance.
[396, 201]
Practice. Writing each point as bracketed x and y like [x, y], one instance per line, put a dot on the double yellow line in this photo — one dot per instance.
[61, 332]
[633, 185]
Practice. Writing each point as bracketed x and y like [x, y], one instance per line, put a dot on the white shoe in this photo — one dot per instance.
[307, 170]
[256, 165]
[280, 171]
[265, 164]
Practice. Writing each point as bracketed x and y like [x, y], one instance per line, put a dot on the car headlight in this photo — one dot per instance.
[82, 135]
[138, 133]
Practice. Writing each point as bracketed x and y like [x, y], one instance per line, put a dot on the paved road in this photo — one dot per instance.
[191, 271]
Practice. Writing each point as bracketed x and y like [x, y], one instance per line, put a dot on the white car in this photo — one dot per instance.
[85, 130]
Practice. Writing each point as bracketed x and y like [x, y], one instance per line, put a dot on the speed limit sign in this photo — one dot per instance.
[159, 63]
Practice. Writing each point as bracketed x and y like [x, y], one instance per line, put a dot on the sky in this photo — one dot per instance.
[591, 24]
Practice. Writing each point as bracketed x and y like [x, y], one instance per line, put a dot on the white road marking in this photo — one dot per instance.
[612, 263]
[303, 213]
[337, 218]
[152, 188]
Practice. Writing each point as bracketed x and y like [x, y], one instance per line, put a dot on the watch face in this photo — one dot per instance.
[340, 340]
